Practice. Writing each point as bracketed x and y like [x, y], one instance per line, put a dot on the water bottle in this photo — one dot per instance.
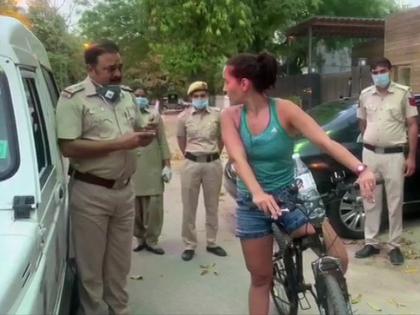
[308, 191]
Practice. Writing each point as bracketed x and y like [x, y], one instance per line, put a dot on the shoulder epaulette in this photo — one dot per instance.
[70, 91]
[126, 88]
[369, 88]
[401, 87]
[216, 109]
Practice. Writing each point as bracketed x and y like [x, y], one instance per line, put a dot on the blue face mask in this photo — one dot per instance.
[200, 103]
[381, 80]
[142, 102]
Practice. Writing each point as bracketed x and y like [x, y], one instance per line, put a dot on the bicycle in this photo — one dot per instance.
[289, 288]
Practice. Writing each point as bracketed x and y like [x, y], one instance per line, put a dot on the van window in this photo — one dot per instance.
[9, 157]
[52, 86]
[39, 129]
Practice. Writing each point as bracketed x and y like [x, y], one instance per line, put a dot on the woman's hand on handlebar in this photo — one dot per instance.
[267, 203]
[367, 184]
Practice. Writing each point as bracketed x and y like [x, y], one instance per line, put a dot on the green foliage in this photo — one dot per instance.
[64, 50]
[356, 8]
[169, 43]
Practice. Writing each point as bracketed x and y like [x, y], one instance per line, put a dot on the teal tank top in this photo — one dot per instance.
[269, 153]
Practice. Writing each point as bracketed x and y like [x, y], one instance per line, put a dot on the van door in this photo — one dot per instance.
[50, 213]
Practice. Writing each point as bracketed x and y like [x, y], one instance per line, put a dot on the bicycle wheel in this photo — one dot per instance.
[334, 302]
[283, 291]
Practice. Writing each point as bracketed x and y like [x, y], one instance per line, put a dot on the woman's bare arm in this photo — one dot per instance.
[300, 121]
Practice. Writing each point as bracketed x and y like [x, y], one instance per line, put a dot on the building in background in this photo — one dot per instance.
[402, 46]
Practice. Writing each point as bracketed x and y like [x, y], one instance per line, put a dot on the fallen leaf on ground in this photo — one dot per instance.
[411, 270]
[397, 304]
[357, 299]
[374, 307]
[206, 269]
[136, 277]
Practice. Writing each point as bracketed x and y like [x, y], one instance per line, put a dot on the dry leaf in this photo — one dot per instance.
[411, 270]
[357, 299]
[215, 273]
[397, 304]
[374, 307]
[136, 277]
[203, 272]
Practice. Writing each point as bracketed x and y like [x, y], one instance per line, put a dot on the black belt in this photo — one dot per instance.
[96, 180]
[202, 158]
[382, 150]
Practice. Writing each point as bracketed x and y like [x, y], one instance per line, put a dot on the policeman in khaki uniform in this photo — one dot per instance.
[199, 138]
[388, 119]
[96, 119]
[153, 169]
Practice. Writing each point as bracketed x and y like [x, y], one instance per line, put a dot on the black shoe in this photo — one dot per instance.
[139, 247]
[187, 254]
[217, 251]
[155, 250]
[367, 251]
[396, 257]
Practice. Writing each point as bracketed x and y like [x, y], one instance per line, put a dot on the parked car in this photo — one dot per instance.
[339, 121]
[35, 269]
[171, 102]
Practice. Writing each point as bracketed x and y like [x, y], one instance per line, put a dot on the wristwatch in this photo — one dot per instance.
[360, 169]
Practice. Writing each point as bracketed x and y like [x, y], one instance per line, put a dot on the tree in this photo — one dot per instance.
[64, 50]
[172, 42]
[194, 38]
[10, 8]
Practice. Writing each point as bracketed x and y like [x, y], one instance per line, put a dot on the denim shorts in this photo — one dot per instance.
[253, 223]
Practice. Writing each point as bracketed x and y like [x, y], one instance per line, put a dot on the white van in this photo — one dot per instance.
[36, 276]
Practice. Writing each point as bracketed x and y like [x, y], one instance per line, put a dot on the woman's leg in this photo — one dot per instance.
[258, 258]
[334, 244]
[304, 230]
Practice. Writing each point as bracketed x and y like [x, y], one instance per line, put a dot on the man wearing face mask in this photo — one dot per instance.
[97, 121]
[388, 123]
[199, 138]
[153, 169]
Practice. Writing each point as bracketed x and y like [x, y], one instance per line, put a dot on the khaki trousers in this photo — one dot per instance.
[102, 229]
[149, 219]
[390, 167]
[193, 176]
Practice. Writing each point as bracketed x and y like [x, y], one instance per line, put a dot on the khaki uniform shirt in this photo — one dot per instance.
[386, 115]
[148, 177]
[83, 114]
[201, 130]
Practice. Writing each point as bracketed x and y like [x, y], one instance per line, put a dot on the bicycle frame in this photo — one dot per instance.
[324, 264]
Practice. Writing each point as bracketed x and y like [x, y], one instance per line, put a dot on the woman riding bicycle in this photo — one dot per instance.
[258, 136]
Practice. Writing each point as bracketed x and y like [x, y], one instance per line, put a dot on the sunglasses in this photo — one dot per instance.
[382, 71]
[203, 95]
